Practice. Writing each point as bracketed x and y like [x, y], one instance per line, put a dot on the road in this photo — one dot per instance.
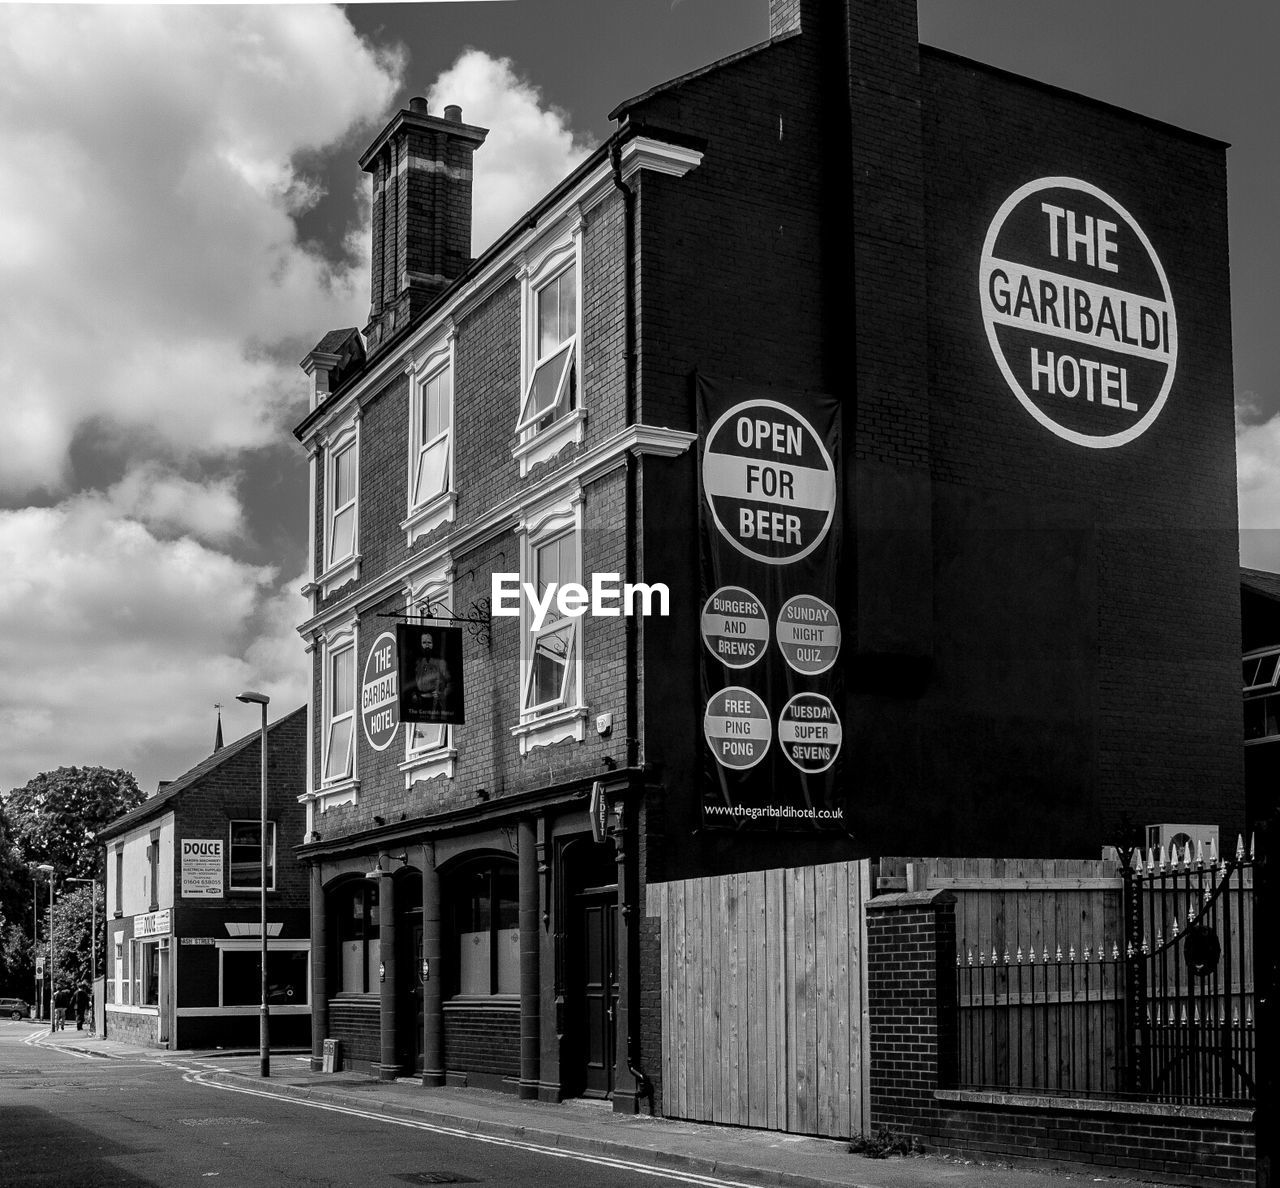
[70, 1119]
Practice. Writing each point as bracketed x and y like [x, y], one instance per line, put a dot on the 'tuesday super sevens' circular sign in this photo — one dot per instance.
[1078, 312]
[809, 732]
[380, 693]
[735, 627]
[808, 634]
[769, 481]
[737, 728]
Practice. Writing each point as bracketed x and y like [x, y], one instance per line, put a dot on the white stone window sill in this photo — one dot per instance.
[427, 518]
[429, 765]
[547, 443]
[338, 793]
[346, 570]
[553, 727]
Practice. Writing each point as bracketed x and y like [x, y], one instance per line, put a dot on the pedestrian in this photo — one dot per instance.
[82, 1004]
[61, 1001]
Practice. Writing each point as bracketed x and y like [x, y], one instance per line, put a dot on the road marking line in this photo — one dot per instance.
[663, 1173]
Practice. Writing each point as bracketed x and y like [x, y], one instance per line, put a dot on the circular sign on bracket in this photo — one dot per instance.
[737, 728]
[769, 481]
[735, 627]
[1078, 312]
[809, 732]
[808, 634]
[380, 693]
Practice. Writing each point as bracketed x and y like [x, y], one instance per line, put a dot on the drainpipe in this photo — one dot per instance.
[626, 886]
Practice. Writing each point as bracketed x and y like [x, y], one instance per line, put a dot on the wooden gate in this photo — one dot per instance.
[764, 998]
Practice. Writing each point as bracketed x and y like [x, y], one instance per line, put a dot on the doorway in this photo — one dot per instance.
[409, 982]
[591, 990]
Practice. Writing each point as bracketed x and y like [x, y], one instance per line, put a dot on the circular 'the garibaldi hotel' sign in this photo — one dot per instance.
[1078, 312]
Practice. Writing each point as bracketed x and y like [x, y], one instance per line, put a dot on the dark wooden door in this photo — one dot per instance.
[597, 913]
[409, 1022]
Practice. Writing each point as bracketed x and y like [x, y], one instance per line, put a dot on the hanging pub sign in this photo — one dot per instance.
[430, 672]
[1078, 312]
[378, 708]
[770, 539]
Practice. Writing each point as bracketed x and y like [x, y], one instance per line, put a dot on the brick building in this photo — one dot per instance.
[183, 939]
[988, 320]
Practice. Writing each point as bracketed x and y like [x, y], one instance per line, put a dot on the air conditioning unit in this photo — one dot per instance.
[1172, 834]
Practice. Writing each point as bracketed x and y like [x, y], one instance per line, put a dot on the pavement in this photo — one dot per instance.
[725, 1153]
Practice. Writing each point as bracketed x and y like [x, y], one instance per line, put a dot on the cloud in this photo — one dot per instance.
[1258, 484]
[529, 149]
[118, 642]
[172, 504]
[149, 262]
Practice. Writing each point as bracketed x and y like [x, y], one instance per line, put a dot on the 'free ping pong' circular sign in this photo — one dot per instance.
[769, 482]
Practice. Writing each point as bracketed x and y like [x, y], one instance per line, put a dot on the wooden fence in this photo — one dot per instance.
[764, 998]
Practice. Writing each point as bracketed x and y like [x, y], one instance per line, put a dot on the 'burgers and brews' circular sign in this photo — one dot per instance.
[769, 482]
[1078, 312]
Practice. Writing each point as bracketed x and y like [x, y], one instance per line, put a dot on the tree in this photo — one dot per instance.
[56, 817]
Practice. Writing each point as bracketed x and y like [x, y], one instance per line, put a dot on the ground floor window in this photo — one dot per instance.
[120, 992]
[356, 912]
[242, 977]
[146, 973]
[486, 925]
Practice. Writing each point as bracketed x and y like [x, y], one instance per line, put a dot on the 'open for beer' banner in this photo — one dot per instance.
[772, 686]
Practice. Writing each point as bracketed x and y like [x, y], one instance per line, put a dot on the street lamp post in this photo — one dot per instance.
[93, 938]
[45, 868]
[264, 1039]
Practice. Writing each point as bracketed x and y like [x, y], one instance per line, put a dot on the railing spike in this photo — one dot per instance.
[1161, 863]
[1006, 955]
[1200, 852]
[995, 960]
[969, 956]
[1175, 925]
[1213, 849]
[1253, 846]
[1129, 954]
[1184, 1014]
[1239, 847]
[982, 960]
[1175, 855]
[1186, 856]
[1071, 954]
[1046, 954]
[1248, 1016]
[1058, 955]
[1195, 1015]
[1235, 1015]
[1151, 861]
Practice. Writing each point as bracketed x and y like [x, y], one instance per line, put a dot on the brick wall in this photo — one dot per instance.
[132, 1027]
[911, 951]
[356, 1023]
[483, 1039]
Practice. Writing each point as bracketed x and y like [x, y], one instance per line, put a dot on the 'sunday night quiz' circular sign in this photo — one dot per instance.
[1078, 312]
[769, 481]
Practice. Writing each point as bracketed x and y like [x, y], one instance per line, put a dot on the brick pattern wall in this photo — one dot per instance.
[911, 991]
[356, 1023]
[1194, 1151]
[483, 1039]
[133, 1028]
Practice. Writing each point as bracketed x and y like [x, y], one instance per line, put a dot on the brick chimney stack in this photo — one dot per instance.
[421, 167]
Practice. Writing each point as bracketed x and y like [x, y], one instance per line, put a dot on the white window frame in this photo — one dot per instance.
[273, 834]
[554, 259]
[565, 717]
[1257, 695]
[338, 570]
[337, 642]
[274, 945]
[428, 514]
[433, 590]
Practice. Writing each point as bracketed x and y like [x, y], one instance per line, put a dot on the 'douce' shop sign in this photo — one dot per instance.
[770, 632]
[1078, 312]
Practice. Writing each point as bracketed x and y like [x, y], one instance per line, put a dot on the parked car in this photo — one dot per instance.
[15, 1008]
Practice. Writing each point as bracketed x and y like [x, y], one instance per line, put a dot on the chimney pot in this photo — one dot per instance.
[453, 113]
[418, 104]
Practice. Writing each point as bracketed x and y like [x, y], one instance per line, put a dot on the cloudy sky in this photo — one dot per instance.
[181, 218]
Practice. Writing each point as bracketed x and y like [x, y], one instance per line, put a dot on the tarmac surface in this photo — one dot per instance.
[722, 1153]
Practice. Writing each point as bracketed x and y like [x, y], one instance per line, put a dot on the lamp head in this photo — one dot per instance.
[255, 698]
[44, 868]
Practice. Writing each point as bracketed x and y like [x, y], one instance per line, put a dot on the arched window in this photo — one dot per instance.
[355, 907]
[486, 927]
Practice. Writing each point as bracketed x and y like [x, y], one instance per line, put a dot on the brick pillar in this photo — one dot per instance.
[319, 972]
[911, 969]
[530, 974]
[432, 1009]
[389, 1065]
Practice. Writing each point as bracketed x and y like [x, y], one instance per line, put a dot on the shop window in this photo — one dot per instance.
[486, 920]
[356, 912]
[121, 995]
[146, 973]
[245, 855]
[242, 977]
